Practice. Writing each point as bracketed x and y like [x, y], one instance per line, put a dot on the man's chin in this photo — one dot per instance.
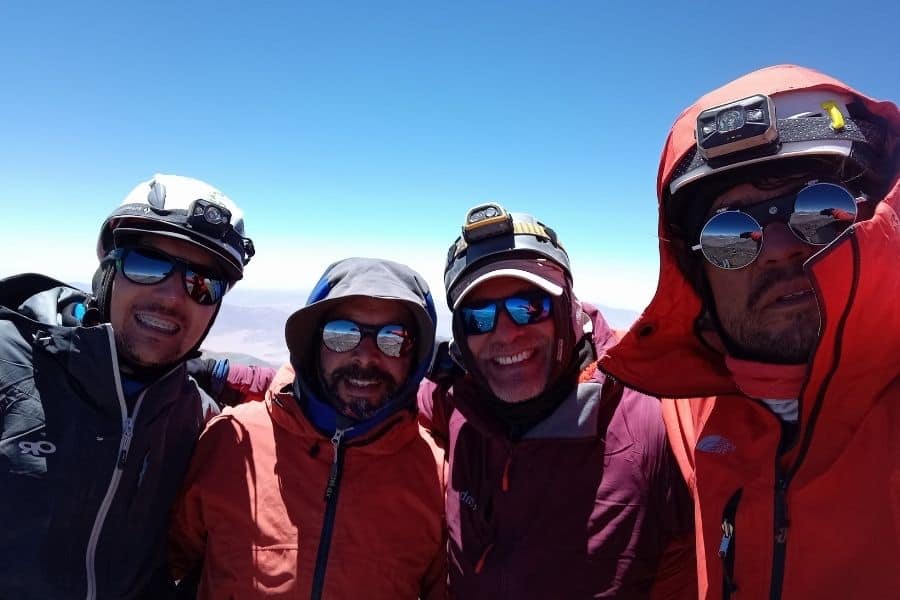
[516, 395]
[360, 408]
[149, 362]
[792, 347]
[359, 413]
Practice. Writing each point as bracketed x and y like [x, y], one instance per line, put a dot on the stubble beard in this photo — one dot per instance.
[791, 344]
[359, 409]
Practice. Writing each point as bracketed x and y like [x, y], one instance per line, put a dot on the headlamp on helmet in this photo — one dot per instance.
[214, 220]
[485, 221]
[209, 218]
[490, 233]
[761, 128]
[736, 127]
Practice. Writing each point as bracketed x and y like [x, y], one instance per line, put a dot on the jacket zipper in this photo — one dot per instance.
[727, 546]
[331, 496]
[124, 445]
[783, 480]
[779, 552]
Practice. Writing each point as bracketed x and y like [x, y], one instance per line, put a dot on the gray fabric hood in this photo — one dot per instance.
[362, 277]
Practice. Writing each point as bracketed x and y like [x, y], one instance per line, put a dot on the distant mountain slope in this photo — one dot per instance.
[239, 358]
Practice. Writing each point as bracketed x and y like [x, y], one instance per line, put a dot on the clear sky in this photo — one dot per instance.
[369, 128]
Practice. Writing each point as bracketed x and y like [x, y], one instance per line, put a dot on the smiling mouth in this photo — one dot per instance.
[362, 383]
[157, 323]
[513, 359]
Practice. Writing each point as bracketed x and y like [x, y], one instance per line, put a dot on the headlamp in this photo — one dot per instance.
[746, 124]
[209, 218]
[485, 221]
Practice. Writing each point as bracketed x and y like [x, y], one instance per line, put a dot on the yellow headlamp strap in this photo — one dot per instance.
[519, 228]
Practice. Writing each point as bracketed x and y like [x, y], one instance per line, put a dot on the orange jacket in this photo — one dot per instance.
[254, 503]
[840, 484]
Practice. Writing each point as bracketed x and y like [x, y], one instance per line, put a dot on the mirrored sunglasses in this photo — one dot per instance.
[523, 309]
[817, 215]
[343, 335]
[145, 266]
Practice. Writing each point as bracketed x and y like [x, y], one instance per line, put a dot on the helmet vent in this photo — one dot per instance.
[157, 196]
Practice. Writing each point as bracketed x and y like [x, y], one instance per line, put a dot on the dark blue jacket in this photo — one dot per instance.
[87, 476]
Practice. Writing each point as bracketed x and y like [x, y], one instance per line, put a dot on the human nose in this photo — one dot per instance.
[367, 350]
[171, 289]
[506, 329]
[781, 245]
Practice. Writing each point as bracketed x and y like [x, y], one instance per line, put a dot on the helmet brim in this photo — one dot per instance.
[232, 271]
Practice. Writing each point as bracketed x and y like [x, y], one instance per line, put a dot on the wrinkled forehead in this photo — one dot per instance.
[370, 310]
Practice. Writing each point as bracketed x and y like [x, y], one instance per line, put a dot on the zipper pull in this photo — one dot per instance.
[781, 517]
[727, 535]
[332, 476]
[126, 441]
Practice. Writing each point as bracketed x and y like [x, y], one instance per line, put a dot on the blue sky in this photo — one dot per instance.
[347, 128]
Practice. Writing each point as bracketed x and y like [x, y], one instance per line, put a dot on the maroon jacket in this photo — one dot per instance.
[589, 504]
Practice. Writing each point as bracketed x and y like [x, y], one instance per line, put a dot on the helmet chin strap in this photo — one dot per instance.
[101, 285]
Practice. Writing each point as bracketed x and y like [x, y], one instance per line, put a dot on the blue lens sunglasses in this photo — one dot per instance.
[523, 309]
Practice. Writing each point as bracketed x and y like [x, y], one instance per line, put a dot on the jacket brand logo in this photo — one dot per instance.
[37, 448]
[468, 499]
[716, 444]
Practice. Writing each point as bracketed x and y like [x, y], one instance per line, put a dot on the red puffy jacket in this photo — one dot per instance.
[823, 520]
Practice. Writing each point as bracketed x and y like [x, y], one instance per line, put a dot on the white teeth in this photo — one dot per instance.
[157, 323]
[361, 382]
[515, 358]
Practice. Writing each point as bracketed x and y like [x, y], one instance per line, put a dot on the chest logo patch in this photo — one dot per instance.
[468, 499]
[37, 448]
[716, 444]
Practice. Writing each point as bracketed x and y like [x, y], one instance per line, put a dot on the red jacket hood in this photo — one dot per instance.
[662, 345]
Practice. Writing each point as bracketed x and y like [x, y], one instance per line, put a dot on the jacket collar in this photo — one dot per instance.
[386, 437]
[87, 355]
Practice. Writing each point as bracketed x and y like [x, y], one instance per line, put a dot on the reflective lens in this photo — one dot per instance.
[731, 240]
[142, 267]
[822, 212]
[203, 289]
[523, 309]
[343, 335]
[817, 215]
[148, 267]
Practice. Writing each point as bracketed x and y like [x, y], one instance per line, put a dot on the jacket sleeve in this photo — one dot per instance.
[246, 383]
[435, 583]
[676, 575]
[676, 571]
[188, 528]
[435, 406]
[283, 377]
[187, 533]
